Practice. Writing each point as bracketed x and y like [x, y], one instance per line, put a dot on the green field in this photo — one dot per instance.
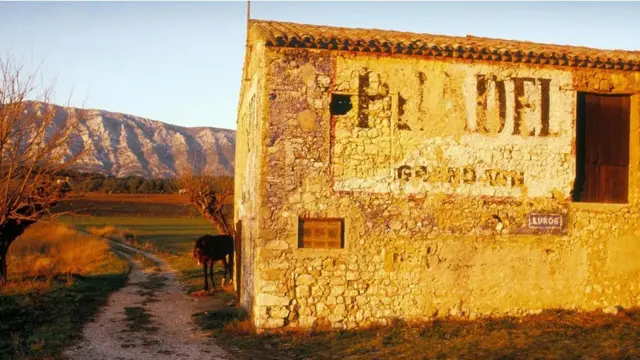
[164, 224]
[167, 234]
[170, 238]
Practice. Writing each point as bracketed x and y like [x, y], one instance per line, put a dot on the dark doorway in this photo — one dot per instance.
[602, 148]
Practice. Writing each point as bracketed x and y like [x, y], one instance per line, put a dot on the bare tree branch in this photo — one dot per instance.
[33, 151]
[208, 193]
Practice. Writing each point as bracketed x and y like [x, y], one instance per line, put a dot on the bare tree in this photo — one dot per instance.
[208, 193]
[33, 151]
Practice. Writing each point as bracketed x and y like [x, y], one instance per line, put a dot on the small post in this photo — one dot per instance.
[247, 45]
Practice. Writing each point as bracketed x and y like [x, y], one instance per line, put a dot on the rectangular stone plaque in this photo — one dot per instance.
[545, 221]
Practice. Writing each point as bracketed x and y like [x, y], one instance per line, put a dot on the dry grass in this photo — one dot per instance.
[122, 235]
[554, 334]
[240, 328]
[50, 249]
[108, 231]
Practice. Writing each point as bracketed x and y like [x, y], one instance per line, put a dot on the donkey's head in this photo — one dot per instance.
[198, 252]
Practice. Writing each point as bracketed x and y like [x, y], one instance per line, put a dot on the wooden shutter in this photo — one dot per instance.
[605, 148]
[321, 233]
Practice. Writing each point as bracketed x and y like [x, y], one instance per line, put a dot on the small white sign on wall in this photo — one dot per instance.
[545, 221]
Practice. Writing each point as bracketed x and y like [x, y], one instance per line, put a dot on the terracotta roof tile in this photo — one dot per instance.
[293, 35]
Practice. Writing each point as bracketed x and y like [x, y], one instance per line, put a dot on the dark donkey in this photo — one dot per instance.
[211, 248]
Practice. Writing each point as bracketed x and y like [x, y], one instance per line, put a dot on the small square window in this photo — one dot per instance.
[340, 104]
[321, 233]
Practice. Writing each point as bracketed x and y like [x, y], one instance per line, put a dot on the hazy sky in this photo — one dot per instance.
[181, 62]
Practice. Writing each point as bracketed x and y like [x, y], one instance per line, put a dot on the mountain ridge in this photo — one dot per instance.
[121, 144]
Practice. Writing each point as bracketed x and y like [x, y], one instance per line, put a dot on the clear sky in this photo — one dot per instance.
[181, 62]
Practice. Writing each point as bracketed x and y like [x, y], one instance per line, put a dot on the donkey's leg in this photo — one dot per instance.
[213, 282]
[231, 265]
[226, 265]
[204, 270]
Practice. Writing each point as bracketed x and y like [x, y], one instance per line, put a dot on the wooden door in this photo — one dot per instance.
[603, 140]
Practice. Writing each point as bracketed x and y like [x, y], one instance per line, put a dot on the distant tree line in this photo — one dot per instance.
[95, 182]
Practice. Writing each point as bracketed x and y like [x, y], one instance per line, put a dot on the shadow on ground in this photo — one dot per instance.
[554, 334]
[40, 324]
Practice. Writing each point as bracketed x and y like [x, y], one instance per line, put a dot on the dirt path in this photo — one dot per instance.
[149, 318]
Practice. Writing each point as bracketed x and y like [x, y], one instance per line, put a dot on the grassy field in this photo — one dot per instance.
[166, 234]
[159, 223]
[161, 220]
[138, 205]
[170, 238]
[173, 243]
[58, 278]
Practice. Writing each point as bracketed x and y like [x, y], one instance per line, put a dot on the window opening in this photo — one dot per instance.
[321, 233]
[340, 104]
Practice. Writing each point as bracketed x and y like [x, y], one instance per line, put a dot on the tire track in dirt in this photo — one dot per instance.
[149, 318]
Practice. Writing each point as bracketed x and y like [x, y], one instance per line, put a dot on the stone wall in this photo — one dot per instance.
[436, 169]
[248, 172]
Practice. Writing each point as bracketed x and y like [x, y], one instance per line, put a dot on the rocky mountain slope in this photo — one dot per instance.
[122, 145]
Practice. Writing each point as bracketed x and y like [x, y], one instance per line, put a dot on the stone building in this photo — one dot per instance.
[382, 175]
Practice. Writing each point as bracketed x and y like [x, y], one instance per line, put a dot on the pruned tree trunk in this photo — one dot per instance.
[222, 229]
[10, 231]
[215, 214]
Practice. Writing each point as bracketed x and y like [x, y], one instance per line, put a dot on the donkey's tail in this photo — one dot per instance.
[231, 255]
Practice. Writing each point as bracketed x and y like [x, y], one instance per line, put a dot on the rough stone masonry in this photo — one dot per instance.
[445, 170]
